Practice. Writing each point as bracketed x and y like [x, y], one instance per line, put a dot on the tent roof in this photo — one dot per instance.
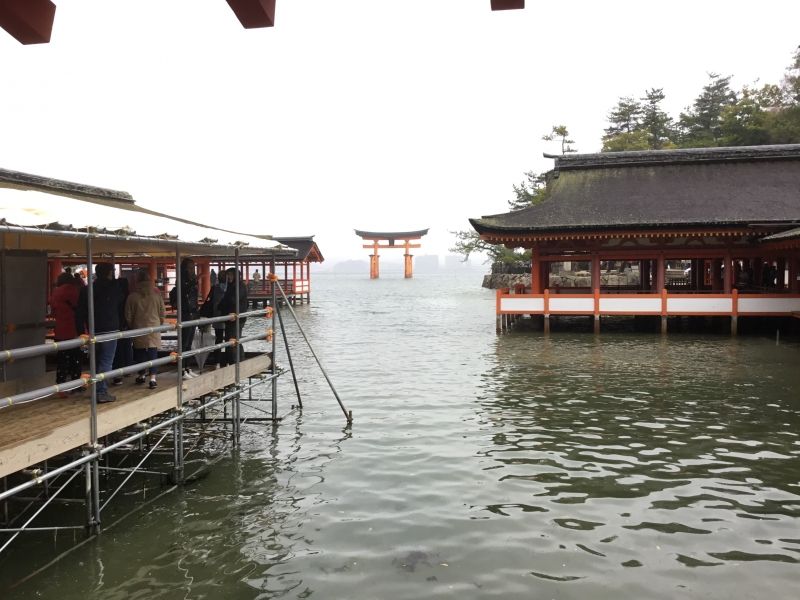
[57, 216]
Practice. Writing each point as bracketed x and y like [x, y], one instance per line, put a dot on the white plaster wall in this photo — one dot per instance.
[572, 304]
[769, 305]
[528, 305]
[677, 306]
[630, 305]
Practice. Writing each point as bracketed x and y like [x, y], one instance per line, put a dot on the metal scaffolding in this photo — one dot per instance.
[51, 479]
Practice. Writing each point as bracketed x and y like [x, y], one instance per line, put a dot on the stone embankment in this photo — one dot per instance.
[564, 279]
[495, 281]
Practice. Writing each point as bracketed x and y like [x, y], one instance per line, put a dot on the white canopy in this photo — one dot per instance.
[118, 225]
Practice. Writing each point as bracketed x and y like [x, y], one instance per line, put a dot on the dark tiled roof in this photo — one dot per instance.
[306, 247]
[684, 188]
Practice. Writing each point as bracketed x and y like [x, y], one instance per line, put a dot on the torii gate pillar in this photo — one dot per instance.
[391, 237]
[374, 263]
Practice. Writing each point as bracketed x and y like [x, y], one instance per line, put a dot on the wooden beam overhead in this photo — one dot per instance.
[507, 4]
[29, 21]
[254, 13]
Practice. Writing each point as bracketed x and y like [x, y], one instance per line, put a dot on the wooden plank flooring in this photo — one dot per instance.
[31, 433]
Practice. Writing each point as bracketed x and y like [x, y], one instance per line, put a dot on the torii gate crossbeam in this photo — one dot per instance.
[376, 237]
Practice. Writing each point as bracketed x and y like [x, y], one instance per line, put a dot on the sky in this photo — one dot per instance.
[379, 115]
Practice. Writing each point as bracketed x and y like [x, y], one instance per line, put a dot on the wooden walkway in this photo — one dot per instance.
[34, 432]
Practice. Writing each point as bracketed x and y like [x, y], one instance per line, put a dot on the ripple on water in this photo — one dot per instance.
[569, 465]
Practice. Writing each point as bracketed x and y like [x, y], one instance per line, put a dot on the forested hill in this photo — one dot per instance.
[719, 116]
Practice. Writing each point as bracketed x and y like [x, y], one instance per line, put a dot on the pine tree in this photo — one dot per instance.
[625, 117]
[791, 81]
[701, 124]
[560, 133]
[530, 191]
[655, 122]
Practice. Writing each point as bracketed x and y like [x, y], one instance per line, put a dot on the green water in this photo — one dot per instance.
[478, 466]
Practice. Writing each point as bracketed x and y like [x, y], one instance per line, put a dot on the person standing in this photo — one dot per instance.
[210, 309]
[189, 292]
[123, 357]
[228, 306]
[63, 303]
[145, 308]
[107, 300]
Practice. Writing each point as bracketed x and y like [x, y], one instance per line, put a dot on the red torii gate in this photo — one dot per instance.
[31, 21]
[390, 237]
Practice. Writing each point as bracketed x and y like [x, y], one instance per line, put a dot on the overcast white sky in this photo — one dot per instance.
[369, 114]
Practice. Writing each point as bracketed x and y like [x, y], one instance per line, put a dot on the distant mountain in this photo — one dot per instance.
[351, 266]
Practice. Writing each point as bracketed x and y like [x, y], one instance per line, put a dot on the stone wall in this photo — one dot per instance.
[564, 279]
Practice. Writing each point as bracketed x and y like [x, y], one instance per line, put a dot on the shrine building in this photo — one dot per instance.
[691, 232]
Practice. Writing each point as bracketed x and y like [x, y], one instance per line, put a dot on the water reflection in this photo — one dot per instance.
[675, 442]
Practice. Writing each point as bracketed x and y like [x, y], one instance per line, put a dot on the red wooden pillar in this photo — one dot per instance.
[716, 274]
[781, 270]
[374, 262]
[152, 268]
[595, 271]
[758, 264]
[307, 278]
[644, 274]
[536, 271]
[55, 268]
[204, 278]
[794, 268]
[661, 273]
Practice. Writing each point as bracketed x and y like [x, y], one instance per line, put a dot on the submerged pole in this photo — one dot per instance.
[289, 357]
[92, 472]
[347, 413]
[274, 387]
[236, 406]
[177, 427]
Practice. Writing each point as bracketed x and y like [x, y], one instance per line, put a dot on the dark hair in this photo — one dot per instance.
[103, 270]
[142, 275]
[64, 278]
[185, 264]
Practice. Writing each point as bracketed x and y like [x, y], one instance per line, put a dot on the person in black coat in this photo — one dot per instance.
[107, 300]
[189, 302]
[227, 306]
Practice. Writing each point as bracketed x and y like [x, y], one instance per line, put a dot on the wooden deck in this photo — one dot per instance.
[31, 433]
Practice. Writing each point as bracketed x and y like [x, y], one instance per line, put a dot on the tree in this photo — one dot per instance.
[655, 122]
[468, 242]
[791, 81]
[625, 117]
[560, 133]
[636, 140]
[744, 123]
[701, 124]
[531, 190]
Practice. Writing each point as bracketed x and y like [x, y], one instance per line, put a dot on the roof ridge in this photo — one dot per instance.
[61, 186]
[674, 156]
